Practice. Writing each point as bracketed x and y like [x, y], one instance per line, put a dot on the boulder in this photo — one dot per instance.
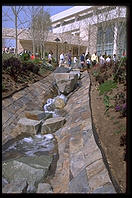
[52, 124]
[37, 115]
[62, 70]
[74, 72]
[44, 188]
[32, 169]
[4, 182]
[66, 82]
[19, 186]
[29, 126]
[59, 103]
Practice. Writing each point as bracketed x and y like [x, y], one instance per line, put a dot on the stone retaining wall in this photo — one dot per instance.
[30, 98]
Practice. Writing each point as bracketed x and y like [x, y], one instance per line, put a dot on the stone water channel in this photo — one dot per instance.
[56, 151]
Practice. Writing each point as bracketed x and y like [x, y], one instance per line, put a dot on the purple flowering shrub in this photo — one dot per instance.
[120, 103]
[122, 109]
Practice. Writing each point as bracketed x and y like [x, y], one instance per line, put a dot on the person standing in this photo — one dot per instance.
[114, 58]
[82, 59]
[49, 58]
[88, 56]
[88, 62]
[94, 59]
[69, 58]
[32, 57]
[61, 59]
[102, 60]
[75, 60]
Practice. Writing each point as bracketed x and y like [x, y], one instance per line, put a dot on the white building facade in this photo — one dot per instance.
[103, 28]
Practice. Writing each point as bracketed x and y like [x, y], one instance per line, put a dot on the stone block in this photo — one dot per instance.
[52, 124]
[44, 188]
[97, 174]
[36, 115]
[66, 82]
[79, 184]
[19, 186]
[29, 126]
[77, 162]
[30, 168]
[107, 188]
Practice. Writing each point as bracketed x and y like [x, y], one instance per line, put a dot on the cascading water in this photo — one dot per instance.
[30, 146]
[50, 108]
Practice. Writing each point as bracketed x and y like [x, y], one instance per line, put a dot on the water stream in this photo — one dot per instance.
[35, 145]
[30, 146]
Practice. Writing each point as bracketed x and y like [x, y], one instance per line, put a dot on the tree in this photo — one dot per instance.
[13, 14]
[39, 27]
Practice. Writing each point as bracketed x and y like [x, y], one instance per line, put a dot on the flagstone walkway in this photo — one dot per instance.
[80, 168]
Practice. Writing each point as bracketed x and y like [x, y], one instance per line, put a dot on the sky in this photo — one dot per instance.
[51, 9]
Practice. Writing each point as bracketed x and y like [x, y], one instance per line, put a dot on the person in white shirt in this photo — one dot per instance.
[108, 60]
[49, 57]
[102, 60]
[94, 59]
[62, 59]
[114, 58]
[75, 59]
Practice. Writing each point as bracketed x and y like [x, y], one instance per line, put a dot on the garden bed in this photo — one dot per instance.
[110, 124]
[20, 73]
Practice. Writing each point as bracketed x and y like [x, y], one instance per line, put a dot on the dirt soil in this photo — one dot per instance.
[110, 127]
[24, 80]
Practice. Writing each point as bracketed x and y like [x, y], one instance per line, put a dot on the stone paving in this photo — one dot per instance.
[80, 168]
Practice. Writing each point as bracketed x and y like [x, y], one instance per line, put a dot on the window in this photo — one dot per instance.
[75, 51]
[108, 37]
[121, 38]
[68, 22]
[58, 25]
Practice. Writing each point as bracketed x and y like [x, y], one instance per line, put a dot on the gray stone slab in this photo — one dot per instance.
[52, 124]
[33, 169]
[79, 184]
[44, 188]
[86, 135]
[107, 188]
[19, 186]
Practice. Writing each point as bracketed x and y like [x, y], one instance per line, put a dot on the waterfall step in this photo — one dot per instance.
[29, 126]
[52, 124]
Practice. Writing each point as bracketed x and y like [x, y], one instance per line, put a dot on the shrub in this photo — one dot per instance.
[46, 54]
[47, 66]
[107, 103]
[122, 109]
[29, 65]
[120, 98]
[25, 57]
[12, 66]
[106, 87]
[95, 73]
[119, 71]
[6, 56]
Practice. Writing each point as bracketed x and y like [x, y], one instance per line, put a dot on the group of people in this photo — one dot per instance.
[91, 60]
[85, 60]
[65, 59]
[8, 50]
